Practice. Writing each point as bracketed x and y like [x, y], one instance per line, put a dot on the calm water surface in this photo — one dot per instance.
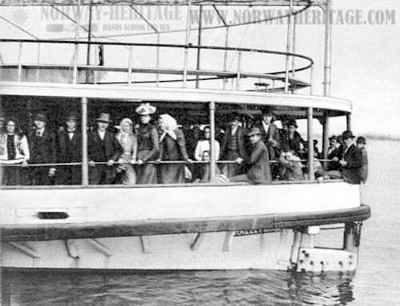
[377, 281]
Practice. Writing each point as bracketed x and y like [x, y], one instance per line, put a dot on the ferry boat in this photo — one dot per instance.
[191, 226]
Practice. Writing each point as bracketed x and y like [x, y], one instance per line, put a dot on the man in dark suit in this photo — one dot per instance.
[233, 146]
[352, 159]
[104, 148]
[335, 151]
[269, 133]
[69, 150]
[42, 145]
[271, 137]
[259, 171]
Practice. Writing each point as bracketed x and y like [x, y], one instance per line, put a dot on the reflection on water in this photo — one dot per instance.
[183, 288]
[376, 281]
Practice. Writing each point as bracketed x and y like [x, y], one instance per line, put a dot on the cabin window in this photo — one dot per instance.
[77, 141]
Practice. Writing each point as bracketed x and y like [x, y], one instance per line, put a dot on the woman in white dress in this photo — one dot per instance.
[128, 141]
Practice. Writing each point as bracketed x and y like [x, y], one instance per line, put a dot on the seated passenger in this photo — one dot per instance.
[233, 147]
[259, 171]
[172, 148]
[204, 145]
[128, 141]
[361, 145]
[334, 153]
[291, 168]
[42, 144]
[104, 149]
[148, 145]
[351, 161]
[69, 150]
[14, 150]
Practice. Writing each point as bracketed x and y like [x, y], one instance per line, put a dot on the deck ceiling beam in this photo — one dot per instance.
[157, 2]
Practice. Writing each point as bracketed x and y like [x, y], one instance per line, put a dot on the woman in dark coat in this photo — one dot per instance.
[148, 146]
[172, 148]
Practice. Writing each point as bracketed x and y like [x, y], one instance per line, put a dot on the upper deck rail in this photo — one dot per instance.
[132, 73]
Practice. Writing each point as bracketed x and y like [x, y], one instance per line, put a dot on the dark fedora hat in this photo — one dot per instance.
[254, 131]
[72, 116]
[292, 122]
[104, 117]
[332, 137]
[347, 135]
[234, 116]
[40, 117]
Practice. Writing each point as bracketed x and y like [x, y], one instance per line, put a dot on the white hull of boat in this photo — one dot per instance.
[200, 228]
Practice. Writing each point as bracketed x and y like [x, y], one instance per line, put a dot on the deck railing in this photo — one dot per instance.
[77, 72]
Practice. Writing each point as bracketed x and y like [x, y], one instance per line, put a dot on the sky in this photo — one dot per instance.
[365, 57]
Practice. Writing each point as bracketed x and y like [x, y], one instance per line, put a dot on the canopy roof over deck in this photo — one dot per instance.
[245, 102]
[157, 2]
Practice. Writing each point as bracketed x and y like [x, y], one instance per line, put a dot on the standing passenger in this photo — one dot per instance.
[334, 153]
[172, 148]
[128, 142]
[103, 148]
[42, 144]
[270, 134]
[352, 159]
[361, 143]
[69, 149]
[13, 150]
[233, 147]
[259, 171]
[148, 145]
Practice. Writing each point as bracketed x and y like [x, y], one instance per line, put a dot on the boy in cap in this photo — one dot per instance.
[42, 144]
[104, 148]
[69, 150]
[259, 171]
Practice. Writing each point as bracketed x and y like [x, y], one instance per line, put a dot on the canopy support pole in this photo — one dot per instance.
[199, 44]
[76, 50]
[327, 8]
[85, 170]
[212, 142]
[187, 39]
[89, 39]
[348, 121]
[325, 138]
[310, 158]
[289, 35]
[221, 17]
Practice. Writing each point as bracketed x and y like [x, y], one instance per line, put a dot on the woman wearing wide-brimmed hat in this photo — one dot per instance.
[128, 142]
[148, 145]
[172, 148]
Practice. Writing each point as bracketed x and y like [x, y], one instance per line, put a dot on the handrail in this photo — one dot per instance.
[163, 45]
[4, 163]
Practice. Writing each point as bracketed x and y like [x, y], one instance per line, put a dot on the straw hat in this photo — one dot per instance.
[145, 109]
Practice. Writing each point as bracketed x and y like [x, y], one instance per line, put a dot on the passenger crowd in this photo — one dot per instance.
[167, 153]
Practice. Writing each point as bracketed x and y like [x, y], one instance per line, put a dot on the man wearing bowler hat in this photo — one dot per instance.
[233, 146]
[103, 149]
[259, 171]
[69, 150]
[351, 161]
[42, 144]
